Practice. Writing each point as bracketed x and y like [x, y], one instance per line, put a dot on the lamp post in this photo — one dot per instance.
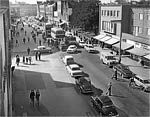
[99, 3]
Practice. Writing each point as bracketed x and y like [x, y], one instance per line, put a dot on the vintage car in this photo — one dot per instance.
[104, 106]
[43, 49]
[84, 85]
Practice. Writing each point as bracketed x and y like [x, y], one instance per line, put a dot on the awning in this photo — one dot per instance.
[138, 51]
[99, 37]
[105, 38]
[147, 56]
[124, 46]
[112, 41]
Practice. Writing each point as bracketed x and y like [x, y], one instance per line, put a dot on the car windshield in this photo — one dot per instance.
[111, 58]
[76, 68]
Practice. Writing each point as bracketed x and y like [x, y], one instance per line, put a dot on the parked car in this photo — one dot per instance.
[82, 43]
[104, 105]
[89, 48]
[74, 70]
[68, 59]
[107, 58]
[72, 49]
[124, 71]
[43, 49]
[142, 82]
[62, 46]
[84, 85]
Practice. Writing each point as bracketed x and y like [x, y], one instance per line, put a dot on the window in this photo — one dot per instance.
[148, 31]
[117, 13]
[140, 30]
[141, 16]
[114, 13]
[102, 13]
[111, 13]
[107, 13]
[148, 17]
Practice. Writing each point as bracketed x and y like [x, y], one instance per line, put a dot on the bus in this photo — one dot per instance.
[48, 27]
[57, 34]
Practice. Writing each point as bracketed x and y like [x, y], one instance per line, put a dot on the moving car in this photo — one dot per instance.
[43, 49]
[84, 85]
[72, 49]
[124, 71]
[74, 70]
[68, 59]
[89, 48]
[104, 105]
[142, 82]
[107, 58]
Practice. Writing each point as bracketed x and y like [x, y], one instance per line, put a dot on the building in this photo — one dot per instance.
[21, 10]
[5, 63]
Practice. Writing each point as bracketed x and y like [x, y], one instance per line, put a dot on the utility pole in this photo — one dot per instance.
[99, 3]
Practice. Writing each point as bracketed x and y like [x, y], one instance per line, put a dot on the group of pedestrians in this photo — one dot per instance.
[34, 95]
[38, 55]
[27, 59]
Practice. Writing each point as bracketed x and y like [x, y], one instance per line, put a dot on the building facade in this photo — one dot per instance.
[115, 19]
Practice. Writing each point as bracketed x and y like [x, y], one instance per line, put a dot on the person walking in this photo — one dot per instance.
[39, 55]
[25, 32]
[132, 82]
[109, 89]
[17, 60]
[39, 42]
[28, 50]
[115, 75]
[23, 59]
[27, 60]
[36, 56]
[17, 43]
[28, 39]
[32, 95]
[24, 40]
[30, 59]
[37, 97]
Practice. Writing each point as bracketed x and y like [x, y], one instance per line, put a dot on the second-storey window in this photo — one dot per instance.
[140, 30]
[141, 16]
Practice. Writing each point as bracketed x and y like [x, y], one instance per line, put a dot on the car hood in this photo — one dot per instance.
[77, 71]
[110, 111]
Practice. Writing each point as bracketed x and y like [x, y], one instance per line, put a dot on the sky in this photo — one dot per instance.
[35, 1]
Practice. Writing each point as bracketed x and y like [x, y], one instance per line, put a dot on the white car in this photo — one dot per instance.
[89, 48]
[142, 82]
[72, 49]
[43, 49]
[67, 60]
[82, 43]
[74, 70]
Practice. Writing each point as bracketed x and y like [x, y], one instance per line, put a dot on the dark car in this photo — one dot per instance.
[84, 85]
[104, 106]
[124, 71]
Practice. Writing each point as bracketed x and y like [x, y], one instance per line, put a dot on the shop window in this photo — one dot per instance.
[140, 30]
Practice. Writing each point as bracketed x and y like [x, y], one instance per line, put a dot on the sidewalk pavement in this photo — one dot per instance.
[134, 66]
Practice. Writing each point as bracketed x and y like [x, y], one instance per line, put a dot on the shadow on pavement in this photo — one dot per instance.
[44, 60]
[63, 84]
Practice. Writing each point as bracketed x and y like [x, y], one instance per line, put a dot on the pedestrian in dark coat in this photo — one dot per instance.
[17, 60]
[32, 95]
[37, 96]
[30, 59]
[39, 54]
[24, 40]
[115, 75]
[27, 60]
[36, 56]
[28, 50]
[23, 59]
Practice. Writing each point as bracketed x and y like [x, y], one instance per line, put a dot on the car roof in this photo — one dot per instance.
[72, 46]
[73, 65]
[105, 100]
[68, 56]
[41, 46]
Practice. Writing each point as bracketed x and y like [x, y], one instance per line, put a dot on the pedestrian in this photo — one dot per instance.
[24, 40]
[115, 75]
[39, 42]
[17, 43]
[27, 60]
[23, 59]
[25, 32]
[12, 70]
[39, 54]
[30, 59]
[32, 95]
[37, 97]
[17, 60]
[48, 42]
[28, 39]
[28, 50]
[132, 82]
[109, 89]
[36, 56]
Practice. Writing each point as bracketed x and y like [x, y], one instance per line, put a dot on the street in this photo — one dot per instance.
[59, 95]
